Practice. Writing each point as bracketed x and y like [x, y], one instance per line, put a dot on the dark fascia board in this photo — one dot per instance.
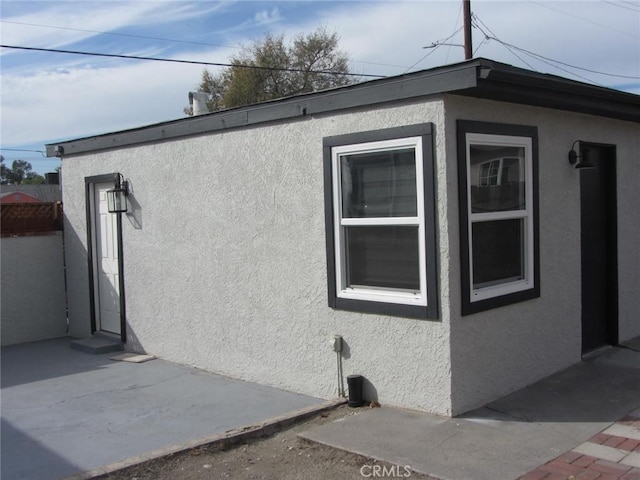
[479, 78]
[514, 85]
[419, 84]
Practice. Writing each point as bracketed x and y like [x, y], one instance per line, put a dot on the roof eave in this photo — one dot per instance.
[480, 78]
[508, 84]
[405, 87]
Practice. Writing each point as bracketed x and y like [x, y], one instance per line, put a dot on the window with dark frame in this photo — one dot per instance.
[379, 201]
[497, 173]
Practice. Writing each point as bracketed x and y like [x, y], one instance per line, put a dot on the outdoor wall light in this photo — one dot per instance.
[117, 197]
[580, 161]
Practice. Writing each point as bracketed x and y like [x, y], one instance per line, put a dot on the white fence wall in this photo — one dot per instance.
[32, 303]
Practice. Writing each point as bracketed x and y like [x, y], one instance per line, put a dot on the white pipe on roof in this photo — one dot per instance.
[198, 102]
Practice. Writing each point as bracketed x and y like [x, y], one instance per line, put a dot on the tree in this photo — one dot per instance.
[284, 70]
[19, 173]
[4, 171]
[33, 178]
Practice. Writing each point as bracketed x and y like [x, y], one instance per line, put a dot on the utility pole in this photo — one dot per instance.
[468, 43]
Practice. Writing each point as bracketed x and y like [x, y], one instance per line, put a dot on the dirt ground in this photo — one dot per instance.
[282, 456]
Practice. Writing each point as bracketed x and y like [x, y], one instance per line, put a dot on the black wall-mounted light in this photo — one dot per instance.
[117, 197]
[579, 161]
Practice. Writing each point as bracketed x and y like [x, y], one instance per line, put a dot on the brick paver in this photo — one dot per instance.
[613, 454]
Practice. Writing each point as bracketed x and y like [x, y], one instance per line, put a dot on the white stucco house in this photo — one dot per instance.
[432, 219]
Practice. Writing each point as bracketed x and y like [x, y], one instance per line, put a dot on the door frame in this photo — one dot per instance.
[89, 187]
[612, 325]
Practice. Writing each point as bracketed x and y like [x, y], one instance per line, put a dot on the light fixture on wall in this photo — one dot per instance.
[579, 161]
[117, 196]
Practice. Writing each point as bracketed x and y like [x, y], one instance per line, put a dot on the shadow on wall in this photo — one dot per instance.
[134, 212]
[369, 391]
[78, 286]
[602, 390]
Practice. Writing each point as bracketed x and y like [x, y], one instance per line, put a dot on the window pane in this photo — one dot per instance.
[385, 257]
[379, 184]
[496, 178]
[498, 252]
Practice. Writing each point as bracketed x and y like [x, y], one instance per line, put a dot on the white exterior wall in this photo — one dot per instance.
[501, 350]
[225, 261]
[33, 297]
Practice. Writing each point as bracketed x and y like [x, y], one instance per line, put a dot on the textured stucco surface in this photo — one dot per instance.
[500, 350]
[225, 265]
[33, 296]
[225, 262]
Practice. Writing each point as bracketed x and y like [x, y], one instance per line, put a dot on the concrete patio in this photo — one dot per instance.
[65, 411]
[513, 435]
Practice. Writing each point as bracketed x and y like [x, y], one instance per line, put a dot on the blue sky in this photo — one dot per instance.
[47, 97]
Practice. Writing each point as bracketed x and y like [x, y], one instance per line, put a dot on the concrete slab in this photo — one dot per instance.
[132, 357]
[505, 439]
[601, 451]
[96, 345]
[633, 344]
[65, 412]
[632, 459]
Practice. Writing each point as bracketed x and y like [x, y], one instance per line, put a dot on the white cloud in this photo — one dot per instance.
[73, 24]
[394, 33]
[86, 96]
[267, 17]
[80, 101]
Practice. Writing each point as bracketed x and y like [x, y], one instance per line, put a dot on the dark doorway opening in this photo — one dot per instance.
[598, 218]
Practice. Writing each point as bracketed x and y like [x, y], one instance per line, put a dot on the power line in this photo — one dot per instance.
[509, 47]
[488, 38]
[131, 35]
[41, 152]
[542, 57]
[190, 62]
[162, 39]
[435, 46]
[446, 60]
[630, 77]
[585, 19]
[622, 6]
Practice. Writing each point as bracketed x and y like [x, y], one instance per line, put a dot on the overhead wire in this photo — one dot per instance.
[622, 6]
[484, 40]
[190, 62]
[446, 60]
[509, 47]
[585, 19]
[435, 45]
[475, 18]
[130, 35]
[41, 152]
[162, 39]
[550, 61]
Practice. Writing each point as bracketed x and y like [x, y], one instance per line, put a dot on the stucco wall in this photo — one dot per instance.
[225, 267]
[225, 262]
[500, 350]
[33, 296]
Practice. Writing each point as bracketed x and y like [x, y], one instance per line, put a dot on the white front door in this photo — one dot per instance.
[106, 264]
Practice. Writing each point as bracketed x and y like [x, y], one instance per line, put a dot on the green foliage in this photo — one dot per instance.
[33, 178]
[19, 174]
[314, 52]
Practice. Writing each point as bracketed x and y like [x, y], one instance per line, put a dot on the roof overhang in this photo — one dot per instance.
[478, 78]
